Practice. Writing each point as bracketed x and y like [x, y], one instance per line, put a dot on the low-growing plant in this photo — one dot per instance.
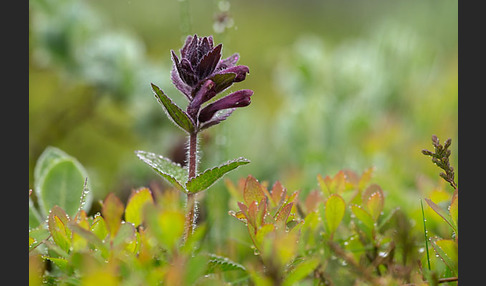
[340, 233]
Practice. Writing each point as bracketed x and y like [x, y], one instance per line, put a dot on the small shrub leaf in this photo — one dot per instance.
[363, 216]
[253, 191]
[135, 204]
[57, 223]
[112, 211]
[447, 250]
[223, 264]
[172, 172]
[60, 180]
[442, 213]
[454, 209]
[335, 208]
[301, 271]
[176, 114]
[204, 180]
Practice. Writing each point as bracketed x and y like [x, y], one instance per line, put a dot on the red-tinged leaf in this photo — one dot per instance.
[365, 178]
[134, 210]
[373, 188]
[335, 207]
[253, 190]
[442, 213]
[252, 212]
[375, 204]
[283, 214]
[313, 200]
[261, 212]
[278, 194]
[244, 210]
[112, 212]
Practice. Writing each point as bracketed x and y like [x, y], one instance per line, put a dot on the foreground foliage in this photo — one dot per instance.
[338, 235]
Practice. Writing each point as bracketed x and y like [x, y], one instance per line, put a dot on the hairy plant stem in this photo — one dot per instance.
[191, 197]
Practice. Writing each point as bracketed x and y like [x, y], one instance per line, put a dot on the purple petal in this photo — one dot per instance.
[239, 98]
[228, 62]
[186, 46]
[208, 62]
[205, 93]
[179, 84]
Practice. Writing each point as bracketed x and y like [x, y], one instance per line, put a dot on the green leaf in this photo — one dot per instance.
[447, 250]
[206, 179]
[176, 114]
[135, 204]
[60, 180]
[375, 204]
[442, 213]
[223, 264]
[35, 219]
[112, 211]
[301, 271]
[58, 227]
[172, 172]
[335, 208]
[365, 218]
[222, 81]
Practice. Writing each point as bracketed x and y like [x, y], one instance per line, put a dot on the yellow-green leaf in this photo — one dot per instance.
[454, 209]
[134, 210]
[253, 191]
[335, 208]
[375, 204]
[447, 250]
[57, 224]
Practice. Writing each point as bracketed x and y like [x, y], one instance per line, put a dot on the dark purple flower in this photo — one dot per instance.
[200, 74]
[200, 61]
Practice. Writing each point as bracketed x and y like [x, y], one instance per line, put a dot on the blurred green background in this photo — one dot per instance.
[338, 85]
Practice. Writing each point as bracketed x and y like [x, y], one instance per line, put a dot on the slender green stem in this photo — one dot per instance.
[425, 235]
[191, 197]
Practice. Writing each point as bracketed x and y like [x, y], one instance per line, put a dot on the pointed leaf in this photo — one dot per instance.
[253, 190]
[58, 227]
[172, 172]
[206, 179]
[442, 213]
[301, 271]
[176, 114]
[364, 217]
[335, 208]
[447, 250]
[112, 211]
[135, 204]
[283, 215]
[223, 264]
[375, 204]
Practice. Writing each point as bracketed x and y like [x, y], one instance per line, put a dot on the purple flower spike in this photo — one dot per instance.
[200, 74]
[199, 61]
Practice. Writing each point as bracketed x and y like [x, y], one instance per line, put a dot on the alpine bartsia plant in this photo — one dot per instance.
[200, 74]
